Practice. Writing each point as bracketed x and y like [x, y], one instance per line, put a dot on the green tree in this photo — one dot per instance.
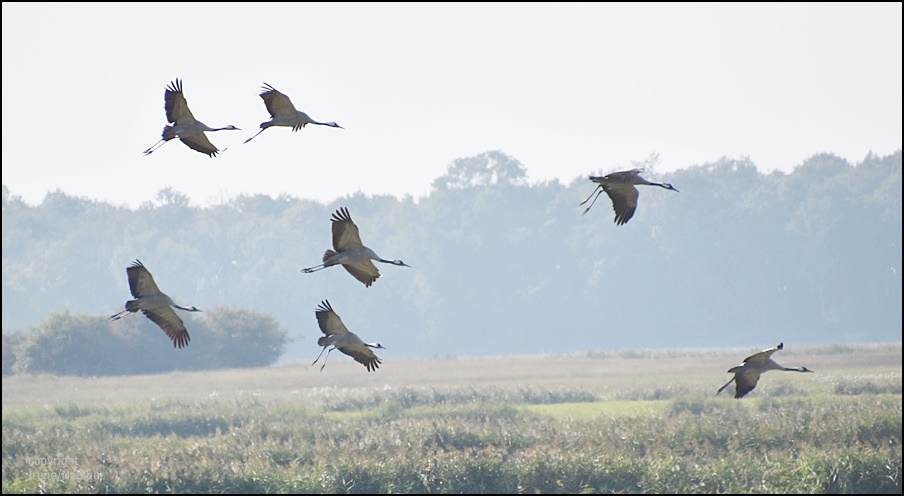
[235, 337]
[69, 344]
[485, 169]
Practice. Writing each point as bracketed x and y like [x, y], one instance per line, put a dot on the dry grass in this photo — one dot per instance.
[613, 375]
[632, 421]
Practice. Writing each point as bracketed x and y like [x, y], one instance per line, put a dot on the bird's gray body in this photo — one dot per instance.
[620, 188]
[156, 305]
[350, 252]
[339, 337]
[283, 113]
[747, 374]
[184, 125]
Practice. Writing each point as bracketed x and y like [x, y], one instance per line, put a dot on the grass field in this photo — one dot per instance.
[597, 422]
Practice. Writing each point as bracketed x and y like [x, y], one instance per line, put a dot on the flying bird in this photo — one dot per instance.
[748, 372]
[338, 336]
[185, 126]
[283, 113]
[620, 188]
[350, 252]
[154, 304]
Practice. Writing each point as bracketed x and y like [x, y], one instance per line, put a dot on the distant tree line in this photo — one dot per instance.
[499, 264]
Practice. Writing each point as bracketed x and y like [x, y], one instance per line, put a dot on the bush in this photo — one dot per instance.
[67, 344]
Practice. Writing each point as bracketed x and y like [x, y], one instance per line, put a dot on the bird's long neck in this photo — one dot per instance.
[393, 262]
[331, 124]
[641, 180]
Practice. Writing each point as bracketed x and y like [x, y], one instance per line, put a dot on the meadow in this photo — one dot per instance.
[635, 421]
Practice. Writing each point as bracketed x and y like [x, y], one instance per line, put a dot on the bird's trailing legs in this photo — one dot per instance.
[314, 269]
[598, 193]
[119, 315]
[255, 136]
[725, 386]
[325, 359]
[154, 147]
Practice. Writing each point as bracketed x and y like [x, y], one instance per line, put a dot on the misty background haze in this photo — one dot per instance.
[499, 264]
[568, 88]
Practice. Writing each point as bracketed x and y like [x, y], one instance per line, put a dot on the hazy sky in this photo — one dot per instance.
[567, 89]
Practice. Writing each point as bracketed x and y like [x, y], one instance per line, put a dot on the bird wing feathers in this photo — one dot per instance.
[141, 282]
[276, 102]
[175, 104]
[328, 320]
[624, 200]
[364, 271]
[745, 382]
[172, 325]
[345, 232]
[616, 177]
[628, 174]
[363, 355]
[199, 142]
[764, 355]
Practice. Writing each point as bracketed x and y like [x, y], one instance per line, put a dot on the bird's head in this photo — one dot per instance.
[399, 262]
[669, 186]
[231, 128]
[376, 345]
[804, 369]
[333, 124]
[194, 309]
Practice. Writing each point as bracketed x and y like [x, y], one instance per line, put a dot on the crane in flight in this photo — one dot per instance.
[184, 125]
[349, 251]
[620, 188]
[154, 304]
[748, 372]
[283, 113]
[338, 336]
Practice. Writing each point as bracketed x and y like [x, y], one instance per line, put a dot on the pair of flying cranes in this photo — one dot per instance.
[351, 253]
[348, 251]
[190, 131]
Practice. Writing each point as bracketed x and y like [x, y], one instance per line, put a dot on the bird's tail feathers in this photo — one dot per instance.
[323, 341]
[327, 255]
[132, 305]
[169, 132]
